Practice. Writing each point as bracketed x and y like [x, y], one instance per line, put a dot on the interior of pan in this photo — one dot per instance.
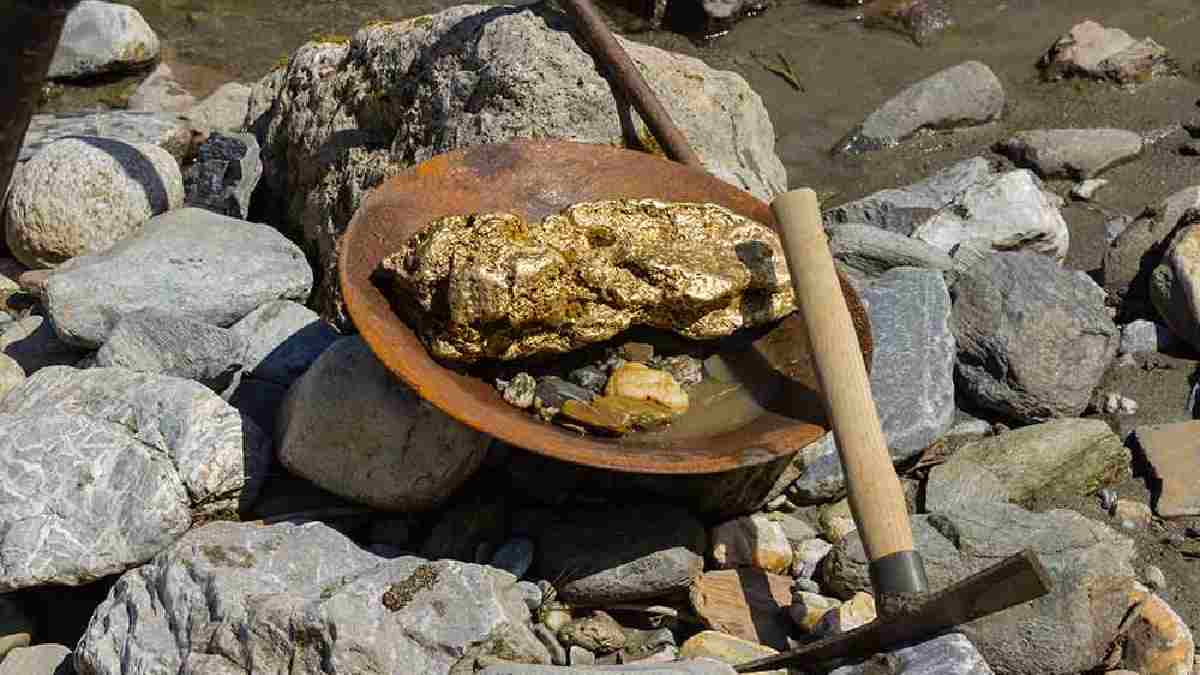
[534, 179]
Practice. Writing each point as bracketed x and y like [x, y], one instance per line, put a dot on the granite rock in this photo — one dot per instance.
[165, 130]
[224, 110]
[34, 344]
[100, 38]
[951, 654]
[43, 659]
[154, 341]
[1173, 453]
[961, 480]
[224, 174]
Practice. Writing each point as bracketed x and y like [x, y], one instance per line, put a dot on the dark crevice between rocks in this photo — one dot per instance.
[62, 613]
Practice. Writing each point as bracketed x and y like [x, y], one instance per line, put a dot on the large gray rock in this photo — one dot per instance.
[1033, 338]
[1175, 283]
[153, 341]
[1011, 210]
[1068, 457]
[284, 338]
[954, 482]
[43, 659]
[964, 95]
[224, 110]
[912, 372]
[874, 250]
[821, 479]
[166, 130]
[345, 116]
[301, 599]
[618, 554]
[224, 175]
[33, 343]
[1071, 153]
[951, 654]
[902, 210]
[1137, 250]
[81, 499]
[221, 457]
[188, 262]
[1069, 630]
[685, 667]
[100, 38]
[352, 428]
[82, 195]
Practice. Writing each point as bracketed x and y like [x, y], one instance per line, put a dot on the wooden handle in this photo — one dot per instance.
[876, 497]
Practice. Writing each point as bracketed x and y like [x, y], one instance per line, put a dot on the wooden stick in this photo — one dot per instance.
[875, 495]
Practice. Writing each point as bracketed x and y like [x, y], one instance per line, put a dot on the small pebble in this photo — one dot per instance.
[531, 594]
[1118, 404]
[1084, 190]
[558, 653]
[1155, 578]
[1108, 499]
[1133, 515]
[519, 391]
[589, 377]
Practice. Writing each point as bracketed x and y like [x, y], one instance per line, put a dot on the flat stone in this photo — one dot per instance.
[711, 644]
[224, 110]
[746, 603]
[100, 38]
[43, 659]
[1071, 153]
[552, 393]
[153, 341]
[874, 250]
[1132, 515]
[912, 373]
[1157, 641]
[221, 457]
[610, 555]
[1173, 453]
[519, 391]
[353, 429]
[837, 521]
[598, 633]
[224, 174]
[221, 593]
[1175, 281]
[50, 220]
[1131, 258]
[189, 262]
[1069, 457]
[1091, 50]
[809, 556]
[165, 130]
[751, 541]
[283, 339]
[34, 344]
[1033, 339]
[964, 95]
[951, 654]
[686, 370]
[598, 418]
[11, 375]
[961, 480]
[1066, 631]
[161, 92]
[1086, 189]
[821, 478]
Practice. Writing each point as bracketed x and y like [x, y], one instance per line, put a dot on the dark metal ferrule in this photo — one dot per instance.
[901, 572]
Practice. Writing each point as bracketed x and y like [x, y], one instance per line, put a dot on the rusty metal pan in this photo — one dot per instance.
[535, 178]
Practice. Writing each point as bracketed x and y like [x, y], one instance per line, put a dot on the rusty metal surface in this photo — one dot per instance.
[535, 179]
[1018, 579]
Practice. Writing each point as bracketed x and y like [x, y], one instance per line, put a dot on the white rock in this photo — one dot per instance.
[11, 375]
[103, 37]
[752, 541]
[83, 195]
[161, 93]
[857, 611]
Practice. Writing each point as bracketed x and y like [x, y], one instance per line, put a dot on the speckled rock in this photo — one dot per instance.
[165, 130]
[751, 541]
[103, 37]
[161, 92]
[82, 195]
[218, 599]
[1071, 153]
[874, 250]
[1145, 336]
[961, 480]
[11, 375]
[1091, 50]
[951, 654]
[352, 428]
[598, 633]
[223, 110]
[153, 341]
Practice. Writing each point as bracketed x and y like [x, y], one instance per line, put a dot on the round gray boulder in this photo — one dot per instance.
[103, 37]
[82, 195]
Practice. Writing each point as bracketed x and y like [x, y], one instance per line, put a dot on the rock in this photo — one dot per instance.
[223, 591]
[589, 377]
[165, 130]
[808, 608]
[902, 210]
[153, 341]
[221, 457]
[1108, 499]
[639, 382]
[874, 250]
[1175, 281]
[821, 477]
[160, 92]
[837, 521]
[578, 656]
[597, 632]
[964, 95]
[1010, 210]
[552, 393]
[1155, 579]
[1066, 457]
[610, 555]
[1117, 404]
[283, 339]
[1157, 640]
[539, 82]
[638, 352]
[1071, 153]
[88, 499]
[1173, 453]
[515, 556]
[1033, 339]
[1132, 515]
[224, 110]
[809, 556]
[747, 603]
[728, 649]
[558, 654]
[921, 20]
[519, 391]
[33, 343]
[751, 541]
[341, 424]
[701, 666]
[1066, 631]
[16, 626]
[43, 659]
[1145, 336]
[960, 480]
[1093, 51]
[686, 370]
[857, 611]
[188, 262]
[479, 291]
[82, 195]
[11, 375]
[100, 38]
[951, 654]
[224, 175]
[912, 376]
[796, 530]
[1086, 189]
